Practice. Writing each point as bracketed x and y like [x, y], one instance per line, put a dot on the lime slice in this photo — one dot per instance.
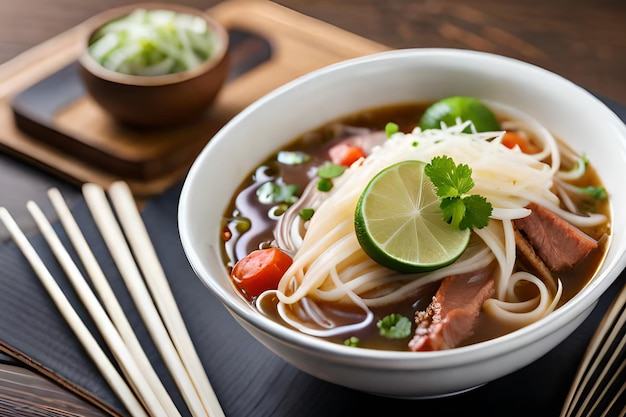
[399, 223]
[466, 108]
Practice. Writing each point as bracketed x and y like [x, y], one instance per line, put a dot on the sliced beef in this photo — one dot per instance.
[451, 316]
[558, 243]
[526, 253]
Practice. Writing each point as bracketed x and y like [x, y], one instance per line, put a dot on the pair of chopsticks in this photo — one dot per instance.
[139, 388]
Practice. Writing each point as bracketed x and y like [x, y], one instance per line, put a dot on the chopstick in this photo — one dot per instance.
[148, 261]
[109, 301]
[600, 357]
[93, 349]
[200, 399]
[116, 242]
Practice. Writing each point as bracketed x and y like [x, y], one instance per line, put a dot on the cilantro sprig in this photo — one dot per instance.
[453, 184]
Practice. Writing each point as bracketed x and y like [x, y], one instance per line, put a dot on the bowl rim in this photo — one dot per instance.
[94, 23]
[581, 304]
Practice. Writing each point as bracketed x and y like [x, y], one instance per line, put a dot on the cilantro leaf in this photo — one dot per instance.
[453, 211]
[463, 179]
[394, 326]
[452, 184]
[451, 180]
[477, 212]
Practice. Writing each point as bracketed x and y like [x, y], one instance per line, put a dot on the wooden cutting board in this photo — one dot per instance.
[47, 119]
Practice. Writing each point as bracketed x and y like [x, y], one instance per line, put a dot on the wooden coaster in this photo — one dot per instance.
[47, 119]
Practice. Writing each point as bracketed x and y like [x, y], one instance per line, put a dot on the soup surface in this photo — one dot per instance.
[276, 206]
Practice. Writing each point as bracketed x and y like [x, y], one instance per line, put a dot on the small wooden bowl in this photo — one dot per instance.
[155, 101]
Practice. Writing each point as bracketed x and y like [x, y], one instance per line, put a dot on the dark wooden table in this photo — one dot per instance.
[583, 40]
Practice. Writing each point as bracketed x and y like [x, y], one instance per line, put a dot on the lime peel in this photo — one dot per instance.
[449, 109]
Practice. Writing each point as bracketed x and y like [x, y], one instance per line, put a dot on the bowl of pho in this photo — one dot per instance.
[412, 223]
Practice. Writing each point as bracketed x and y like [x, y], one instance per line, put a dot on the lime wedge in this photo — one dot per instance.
[466, 108]
[399, 223]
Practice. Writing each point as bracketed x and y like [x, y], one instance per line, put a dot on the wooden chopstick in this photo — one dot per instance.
[100, 359]
[580, 396]
[110, 302]
[123, 257]
[141, 244]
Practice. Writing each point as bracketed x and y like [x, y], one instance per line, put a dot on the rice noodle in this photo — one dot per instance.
[330, 266]
[520, 313]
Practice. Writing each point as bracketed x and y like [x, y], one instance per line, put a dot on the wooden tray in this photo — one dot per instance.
[58, 112]
[69, 135]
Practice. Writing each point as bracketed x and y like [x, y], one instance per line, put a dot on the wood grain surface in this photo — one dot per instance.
[582, 40]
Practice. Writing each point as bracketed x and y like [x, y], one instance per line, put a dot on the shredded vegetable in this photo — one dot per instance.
[153, 42]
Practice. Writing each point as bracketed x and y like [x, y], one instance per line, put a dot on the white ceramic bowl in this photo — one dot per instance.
[394, 77]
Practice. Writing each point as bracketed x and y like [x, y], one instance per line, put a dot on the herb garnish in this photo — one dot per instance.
[293, 157]
[277, 192]
[453, 183]
[352, 341]
[326, 172]
[394, 326]
[391, 128]
[306, 213]
[595, 192]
